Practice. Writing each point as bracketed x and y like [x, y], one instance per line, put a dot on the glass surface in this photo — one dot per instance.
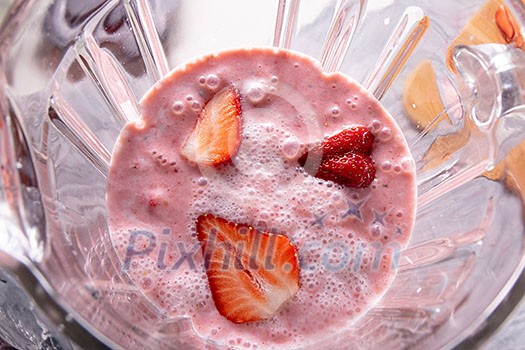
[72, 73]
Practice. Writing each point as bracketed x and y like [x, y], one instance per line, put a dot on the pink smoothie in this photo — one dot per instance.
[347, 238]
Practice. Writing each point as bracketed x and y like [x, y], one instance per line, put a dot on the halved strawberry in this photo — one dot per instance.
[251, 273]
[217, 134]
[351, 169]
[355, 139]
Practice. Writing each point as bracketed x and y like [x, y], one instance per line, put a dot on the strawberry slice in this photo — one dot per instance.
[251, 273]
[351, 169]
[217, 134]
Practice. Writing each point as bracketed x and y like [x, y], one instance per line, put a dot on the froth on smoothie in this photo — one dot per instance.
[348, 239]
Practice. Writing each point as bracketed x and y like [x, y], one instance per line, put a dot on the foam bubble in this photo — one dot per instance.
[255, 92]
[375, 230]
[352, 102]
[146, 283]
[212, 81]
[178, 107]
[386, 165]
[385, 133]
[195, 105]
[291, 148]
[407, 164]
[375, 125]
[140, 124]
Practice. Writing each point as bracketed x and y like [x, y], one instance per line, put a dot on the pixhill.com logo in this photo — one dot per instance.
[335, 256]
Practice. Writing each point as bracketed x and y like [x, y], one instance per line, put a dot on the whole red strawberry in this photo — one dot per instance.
[351, 169]
[343, 158]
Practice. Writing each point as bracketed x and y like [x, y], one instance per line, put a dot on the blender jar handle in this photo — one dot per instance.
[491, 88]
